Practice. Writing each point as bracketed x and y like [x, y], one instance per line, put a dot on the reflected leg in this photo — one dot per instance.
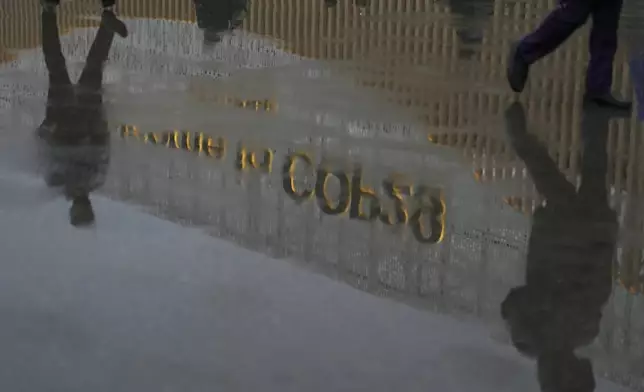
[555, 29]
[54, 59]
[60, 95]
[91, 79]
[549, 180]
[90, 84]
[593, 190]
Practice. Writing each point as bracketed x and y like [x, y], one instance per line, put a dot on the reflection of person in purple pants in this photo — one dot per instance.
[556, 28]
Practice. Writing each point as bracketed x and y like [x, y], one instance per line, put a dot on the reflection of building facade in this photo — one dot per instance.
[254, 208]
[413, 60]
[469, 272]
[394, 54]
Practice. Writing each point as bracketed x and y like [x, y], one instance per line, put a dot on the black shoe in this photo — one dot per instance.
[518, 69]
[608, 101]
[113, 23]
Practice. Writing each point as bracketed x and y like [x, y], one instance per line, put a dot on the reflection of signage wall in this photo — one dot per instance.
[335, 191]
[207, 93]
[364, 203]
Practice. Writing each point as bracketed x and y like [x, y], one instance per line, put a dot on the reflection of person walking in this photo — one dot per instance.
[556, 28]
[568, 277]
[75, 133]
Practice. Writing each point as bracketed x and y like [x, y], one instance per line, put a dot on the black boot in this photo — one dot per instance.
[518, 69]
[607, 100]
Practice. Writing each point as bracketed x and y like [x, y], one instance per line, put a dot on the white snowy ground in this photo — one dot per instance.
[140, 304]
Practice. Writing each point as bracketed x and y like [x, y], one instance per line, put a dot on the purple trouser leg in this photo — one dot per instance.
[565, 20]
[603, 45]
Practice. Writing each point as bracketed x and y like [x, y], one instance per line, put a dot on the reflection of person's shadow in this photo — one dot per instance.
[472, 16]
[570, 254]
[75, 128]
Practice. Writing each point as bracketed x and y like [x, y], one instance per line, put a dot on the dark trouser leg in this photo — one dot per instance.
[54, 59]
[603, 45]
[555, 29]
[91, 79]
[549, 180]
[90, 84]
[60, 95]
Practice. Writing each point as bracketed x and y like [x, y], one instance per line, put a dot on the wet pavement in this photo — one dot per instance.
[294, 195]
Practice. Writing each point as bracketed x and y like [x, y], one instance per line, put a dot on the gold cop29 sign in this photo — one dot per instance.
[336, 191]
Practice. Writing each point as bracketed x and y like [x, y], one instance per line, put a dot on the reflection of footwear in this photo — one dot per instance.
[81, 213]
[515, 120]
[49, 5]
[466, 54]
[44, 132]
[113, 23]
[212, 37]
[518, 70]
[469, 37]
[609, 101]
[55, 180]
